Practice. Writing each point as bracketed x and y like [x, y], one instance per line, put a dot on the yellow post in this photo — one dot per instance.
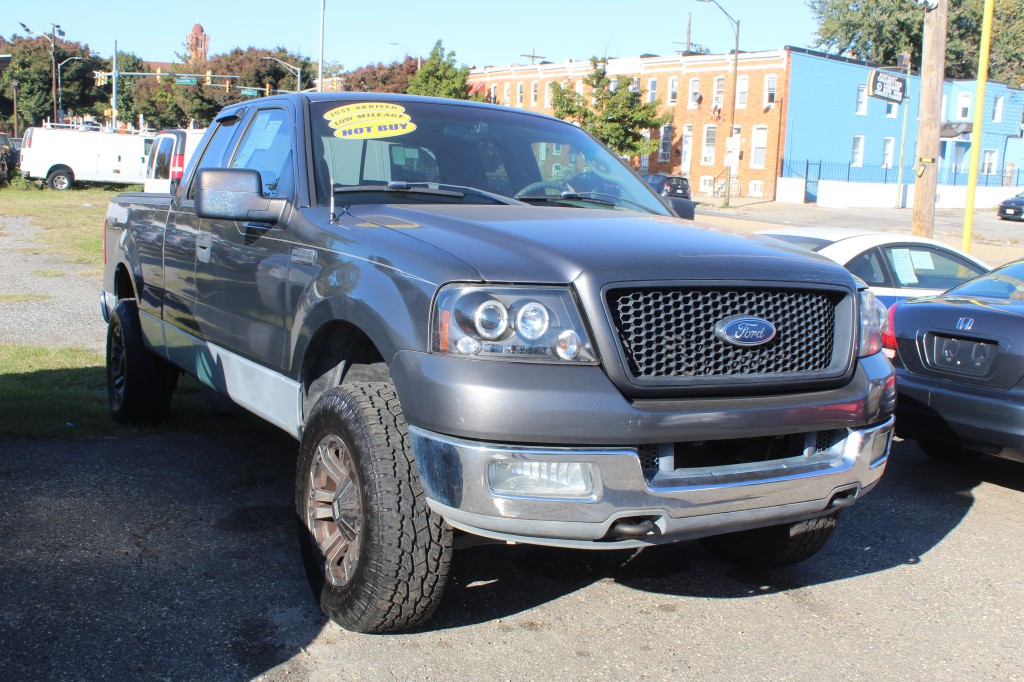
[979, 106]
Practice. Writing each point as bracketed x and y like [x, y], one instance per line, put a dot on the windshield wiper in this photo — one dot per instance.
[588, 197]
[400, 187]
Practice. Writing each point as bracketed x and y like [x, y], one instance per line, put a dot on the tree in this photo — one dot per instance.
[127, 106]
[394, 77]
[440, 77]
[878, 30]
[617, 118]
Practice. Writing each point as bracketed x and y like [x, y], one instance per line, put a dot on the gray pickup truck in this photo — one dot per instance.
[481, 324]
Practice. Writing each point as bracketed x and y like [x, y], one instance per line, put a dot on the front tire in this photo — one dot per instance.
[140, 384]
[775, 546]
[60, 180]
[376, 557]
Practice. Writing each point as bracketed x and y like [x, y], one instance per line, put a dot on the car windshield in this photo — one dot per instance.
[1006, 282]
[435, 152]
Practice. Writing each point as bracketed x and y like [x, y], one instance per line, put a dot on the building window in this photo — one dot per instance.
[613, 85]
[857, 159]
[547, 94]
[942, 112]
[742, 85]
[684, 163]
[579, 87]
[719, 96]
[769, 89]
[493, 98]
[652, 89]
[520, 89]
[534, 88]
[862, 101]
[507, 90]
[707, 155]
[888, 148]
[758, 146]
[891, 109]
[694, 97]
[665, 144]
[989, 157]
[997, 110]
[634, 85]
[556, 149]
[673, 89]
[963, 106]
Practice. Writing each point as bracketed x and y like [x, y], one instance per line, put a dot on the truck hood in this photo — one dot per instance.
[542, 244]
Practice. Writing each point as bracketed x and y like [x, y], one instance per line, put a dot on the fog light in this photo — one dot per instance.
[541, 479]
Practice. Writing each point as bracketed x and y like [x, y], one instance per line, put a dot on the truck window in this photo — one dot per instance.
[220, 143]
[266, 147]
[160, 159]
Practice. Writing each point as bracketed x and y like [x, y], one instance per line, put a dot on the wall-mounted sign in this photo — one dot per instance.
[887, 86]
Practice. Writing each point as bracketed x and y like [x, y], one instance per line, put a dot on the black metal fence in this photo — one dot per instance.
[813, 171]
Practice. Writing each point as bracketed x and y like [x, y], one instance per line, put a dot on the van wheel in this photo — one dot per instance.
[140, 384]
[376, 557]
[773, 546]
[60, 180]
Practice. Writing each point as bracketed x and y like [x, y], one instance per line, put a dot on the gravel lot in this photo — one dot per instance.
[173, 557]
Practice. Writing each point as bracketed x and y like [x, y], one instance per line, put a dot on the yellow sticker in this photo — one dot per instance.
[370, 120]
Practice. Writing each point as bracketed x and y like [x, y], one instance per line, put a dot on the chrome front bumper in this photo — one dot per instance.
[667, 507]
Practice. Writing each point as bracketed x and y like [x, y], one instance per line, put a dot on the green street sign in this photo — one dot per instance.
[184, 81]
[250, 92]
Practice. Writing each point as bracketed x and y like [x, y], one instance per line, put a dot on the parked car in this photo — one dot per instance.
[168, 157]
[959, 360]
[668, 185]
[63, 157]
[1012, 208]
[8, 156]
[896, 266]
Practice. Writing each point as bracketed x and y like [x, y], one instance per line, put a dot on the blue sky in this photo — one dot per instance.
[481, 33]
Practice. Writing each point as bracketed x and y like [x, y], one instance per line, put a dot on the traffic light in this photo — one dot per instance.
[267, 91]
[227, 86]
[209, 77]
[101, 78]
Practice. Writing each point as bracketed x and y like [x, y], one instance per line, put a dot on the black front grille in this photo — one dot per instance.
[670, 332]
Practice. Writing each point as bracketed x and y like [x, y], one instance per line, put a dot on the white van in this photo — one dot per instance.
[168, 158]
[64, 157]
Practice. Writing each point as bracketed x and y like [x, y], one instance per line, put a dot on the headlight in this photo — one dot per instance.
[540, 324]
[873, 322]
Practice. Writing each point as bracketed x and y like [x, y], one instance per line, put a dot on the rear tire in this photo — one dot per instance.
[376, 557]
[944, 452]
[774, 546]
[140, 384]
[60, 180]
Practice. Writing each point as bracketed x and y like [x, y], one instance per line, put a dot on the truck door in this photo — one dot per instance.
[180, 247]
[242, 267]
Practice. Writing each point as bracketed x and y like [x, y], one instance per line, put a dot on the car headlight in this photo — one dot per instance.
[874, 318]
[540, 324]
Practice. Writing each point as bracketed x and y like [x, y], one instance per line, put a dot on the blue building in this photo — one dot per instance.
[835, 131]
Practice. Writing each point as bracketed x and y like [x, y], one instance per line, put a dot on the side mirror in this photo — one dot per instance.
[681, 208]
[235, 194]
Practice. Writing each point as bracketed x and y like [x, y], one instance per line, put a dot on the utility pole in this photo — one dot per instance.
[933, 65]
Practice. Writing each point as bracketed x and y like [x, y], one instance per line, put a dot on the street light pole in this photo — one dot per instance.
[294, 69]
[54, 30]
[60, 89]
[14, 89]
[732, 100]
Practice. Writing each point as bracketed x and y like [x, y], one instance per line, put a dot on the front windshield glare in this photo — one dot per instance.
[496, 151]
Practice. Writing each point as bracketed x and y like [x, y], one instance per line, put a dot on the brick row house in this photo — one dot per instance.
[695, 89]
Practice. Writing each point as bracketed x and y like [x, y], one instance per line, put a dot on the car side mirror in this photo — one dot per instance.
[681, 208]
[235, 194]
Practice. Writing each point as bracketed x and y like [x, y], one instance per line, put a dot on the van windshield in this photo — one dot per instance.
[373, 151]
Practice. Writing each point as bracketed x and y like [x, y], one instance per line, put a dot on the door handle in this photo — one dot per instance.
[204, 241]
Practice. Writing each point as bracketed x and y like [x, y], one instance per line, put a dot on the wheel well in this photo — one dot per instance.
[60, 167]
[123, 287]
[339, 353]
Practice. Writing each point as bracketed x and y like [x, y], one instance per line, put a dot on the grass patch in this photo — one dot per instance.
[23, 298]
[61, 393]
[72, 220]
[48, 273]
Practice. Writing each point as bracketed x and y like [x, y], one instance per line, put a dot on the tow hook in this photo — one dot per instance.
[843, 498]
[633, 530]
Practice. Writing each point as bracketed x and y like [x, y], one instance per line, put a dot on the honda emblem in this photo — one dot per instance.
[964, 324]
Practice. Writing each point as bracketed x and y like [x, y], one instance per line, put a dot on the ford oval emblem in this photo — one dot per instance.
[742, 330]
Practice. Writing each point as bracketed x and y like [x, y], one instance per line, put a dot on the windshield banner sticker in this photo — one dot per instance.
[369, 121]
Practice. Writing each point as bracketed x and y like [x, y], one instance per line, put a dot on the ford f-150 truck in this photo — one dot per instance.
[478, 322]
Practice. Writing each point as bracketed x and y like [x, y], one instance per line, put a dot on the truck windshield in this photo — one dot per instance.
[371, 144]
